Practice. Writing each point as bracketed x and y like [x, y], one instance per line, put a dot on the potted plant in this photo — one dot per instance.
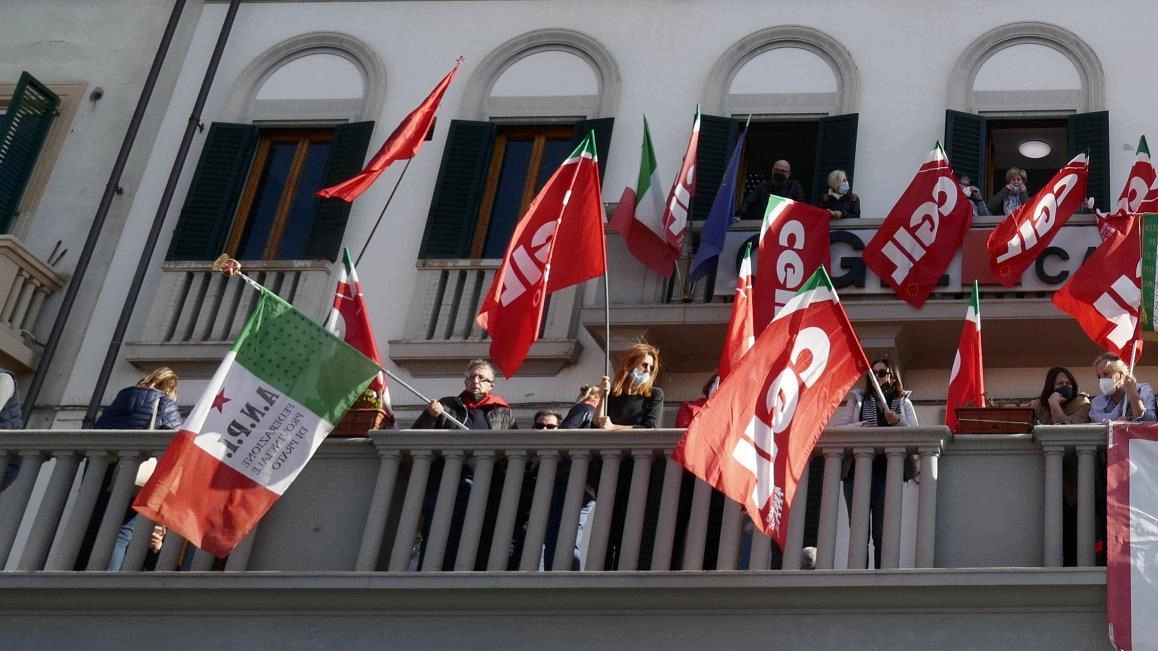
[997, 417]
[367, 413]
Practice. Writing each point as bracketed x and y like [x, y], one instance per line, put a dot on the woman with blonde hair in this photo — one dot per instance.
[632, 399]
[839, 201]
[1122, 397]
[150, 404]
[1010, 197]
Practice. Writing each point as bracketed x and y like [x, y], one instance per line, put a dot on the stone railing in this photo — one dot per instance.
[25, 282]
[431, 501]
[198, 312]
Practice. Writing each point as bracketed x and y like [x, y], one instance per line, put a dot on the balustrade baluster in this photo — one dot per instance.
[829, 509]
[476, 508]
[794, 541]
[47, 516]
[119, 498]
[732, 522]
[238, 559]
[599, 543]
[170, 554]
[572, 505]
[927, 507]
[540, 506]
[1085, 529]
[442, 519]
[138, 547]
[636, 507]
[858, 528]
[696, 538]
[1053, 505]
[500, 552]
[379, 510]
[894, 483]
[411, 511]
[668, 508]
[62, 556]
[16, 500]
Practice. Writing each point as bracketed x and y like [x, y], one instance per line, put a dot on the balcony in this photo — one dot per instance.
[199, 312]
[978, 542]
[25, 282]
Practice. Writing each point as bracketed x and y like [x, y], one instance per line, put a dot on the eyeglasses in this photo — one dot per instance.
[482, 379]
[881, 372]
[545, 426]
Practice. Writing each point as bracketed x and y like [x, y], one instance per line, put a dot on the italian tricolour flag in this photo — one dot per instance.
[275, 397]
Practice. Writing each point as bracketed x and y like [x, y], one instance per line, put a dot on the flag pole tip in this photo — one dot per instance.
[227, 265]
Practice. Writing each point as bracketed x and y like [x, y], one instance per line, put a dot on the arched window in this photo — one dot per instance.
[530, 102]
[800, 87]
[1027, 83]
[301, 112]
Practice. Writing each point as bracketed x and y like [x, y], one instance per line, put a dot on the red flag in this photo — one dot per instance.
[917, 240]
[568, 209]
[741, 334]
[793, 243]
[1017, 241]
[1139, 195]
[1105, 293]
[350, 321]
[639, 215]
[403, 143]
[679, 199]
[753, 437]
[967, 379]
[1131, 511]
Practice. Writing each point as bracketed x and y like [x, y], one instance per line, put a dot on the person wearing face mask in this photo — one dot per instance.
[1122, 397]
[862, 409]
[756, 199]
[838, 201]
[1060, 402]
[690, 408]
[1010, 197]
[633, 400]
[973, 194]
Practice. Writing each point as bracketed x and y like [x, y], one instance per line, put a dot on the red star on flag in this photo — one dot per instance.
[219, 400]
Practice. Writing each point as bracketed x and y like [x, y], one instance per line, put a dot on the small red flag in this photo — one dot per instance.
[917, 240]
[741, 333]
[1139, 195]
[1105, 293]
[967, 379]
[349, 320]
[793, 243]
[568, 209]
[403, 143]
[1017, 241]
[753, 437]
[679, 199]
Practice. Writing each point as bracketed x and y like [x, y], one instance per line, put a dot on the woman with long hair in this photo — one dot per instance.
[1060, 402]
[633, 400]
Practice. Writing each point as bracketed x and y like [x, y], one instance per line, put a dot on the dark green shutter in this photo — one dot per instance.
[965, 145]
[23, 128]
[602, 128]
[458, 191]
[1092, 131]
[207, 214]
[835, 150]
[717, 136]
[346, 159]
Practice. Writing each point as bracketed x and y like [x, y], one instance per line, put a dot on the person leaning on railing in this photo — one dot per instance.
[1060, 402]
[1122, 397]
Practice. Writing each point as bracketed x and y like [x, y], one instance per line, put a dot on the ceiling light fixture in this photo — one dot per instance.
[1034, 148]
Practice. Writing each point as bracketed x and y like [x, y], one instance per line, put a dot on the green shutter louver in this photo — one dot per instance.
[211, 202]
[835, 150]
[602, 128]
[1092, 131]
[347, 159]
[965, 146]
[717, 136]
[23, 128]
[458, 190]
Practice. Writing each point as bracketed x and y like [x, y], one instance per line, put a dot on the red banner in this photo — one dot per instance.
[793, 243]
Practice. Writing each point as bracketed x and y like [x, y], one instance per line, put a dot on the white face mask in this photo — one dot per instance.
[843, 187]
[639, 377]
[1107, 385]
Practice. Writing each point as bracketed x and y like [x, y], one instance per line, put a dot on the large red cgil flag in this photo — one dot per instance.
[754, 436]
[1105, 294]
[919, 237]
[793, 243]
[568, 210]
[1017, 241]
[403, 143]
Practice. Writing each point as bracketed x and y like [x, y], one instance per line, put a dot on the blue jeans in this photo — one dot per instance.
[124, 537]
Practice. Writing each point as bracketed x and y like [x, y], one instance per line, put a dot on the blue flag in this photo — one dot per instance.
[719, 218]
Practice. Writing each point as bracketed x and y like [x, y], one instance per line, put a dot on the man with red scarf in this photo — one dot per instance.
[477, 407]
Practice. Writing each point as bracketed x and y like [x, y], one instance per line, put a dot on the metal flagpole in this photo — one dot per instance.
[382, 214]
[424, 399]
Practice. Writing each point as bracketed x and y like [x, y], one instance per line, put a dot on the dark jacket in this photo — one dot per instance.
[581, 415]
[12, 413]
[756, 201]
[848, 205]
[997, 203]
[637, 411]
[497, 416]
[133, 408]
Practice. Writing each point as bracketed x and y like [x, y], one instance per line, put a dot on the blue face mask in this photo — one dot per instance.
[1065, 391]
[843, 187]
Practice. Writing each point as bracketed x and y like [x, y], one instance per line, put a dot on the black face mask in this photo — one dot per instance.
[1065, 391]
[779, 178]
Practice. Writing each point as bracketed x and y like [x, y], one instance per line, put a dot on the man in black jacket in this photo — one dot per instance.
[756, 199]
[477, 407]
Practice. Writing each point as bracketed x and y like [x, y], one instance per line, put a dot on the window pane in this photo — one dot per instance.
[508, 196]
[554, 153]
[269, 192]
[300, 218]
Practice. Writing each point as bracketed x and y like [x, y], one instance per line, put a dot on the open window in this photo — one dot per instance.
[252, 195]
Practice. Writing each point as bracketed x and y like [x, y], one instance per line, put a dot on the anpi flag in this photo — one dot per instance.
[753, 437]
[1132, 537]
[350, 322]
[793, 243]
[1105, 293]
[1017, 241]
[1139, 195]
[639, 215]
[740, 336]
[568, 210]
[276, 395]
[403, 143]
[917, 240]
[967, 379]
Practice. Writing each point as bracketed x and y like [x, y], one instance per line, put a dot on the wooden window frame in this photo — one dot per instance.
[266, 140]
[540, 135]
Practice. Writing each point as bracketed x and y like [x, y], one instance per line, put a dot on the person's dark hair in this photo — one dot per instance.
[1051, 377]
[542, 413]
[893, 373]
